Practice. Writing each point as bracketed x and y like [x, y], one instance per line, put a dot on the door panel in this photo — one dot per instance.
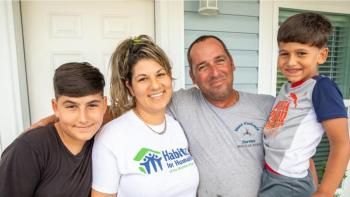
[59, 32]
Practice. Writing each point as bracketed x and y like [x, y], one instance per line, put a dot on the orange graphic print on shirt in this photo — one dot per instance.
[279, 113]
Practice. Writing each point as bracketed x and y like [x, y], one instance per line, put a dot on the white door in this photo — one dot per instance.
[56, 32]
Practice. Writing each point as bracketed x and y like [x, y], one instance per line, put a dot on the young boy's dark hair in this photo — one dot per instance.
[305, 28]
[77, 79]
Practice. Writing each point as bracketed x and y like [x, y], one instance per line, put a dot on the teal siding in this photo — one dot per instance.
[238, 26]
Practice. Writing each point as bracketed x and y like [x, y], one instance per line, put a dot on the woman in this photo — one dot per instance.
[143, 152]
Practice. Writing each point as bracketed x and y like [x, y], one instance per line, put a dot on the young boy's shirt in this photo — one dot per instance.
[294, 128]
[38, 164]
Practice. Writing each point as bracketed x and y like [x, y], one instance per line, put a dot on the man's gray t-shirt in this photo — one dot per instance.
[226, 144]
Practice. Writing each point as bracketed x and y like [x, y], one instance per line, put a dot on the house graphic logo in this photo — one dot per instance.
[149, 160]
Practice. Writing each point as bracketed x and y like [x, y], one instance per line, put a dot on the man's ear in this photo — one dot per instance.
[190, 71]
[233, 63]
[322, 57]
[128, 85]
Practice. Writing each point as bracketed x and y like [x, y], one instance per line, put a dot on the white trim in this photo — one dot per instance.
[169, 22]
[12, 112]
[266, 79]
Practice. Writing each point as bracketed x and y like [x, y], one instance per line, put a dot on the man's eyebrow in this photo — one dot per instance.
[220, 56]
[200, 63]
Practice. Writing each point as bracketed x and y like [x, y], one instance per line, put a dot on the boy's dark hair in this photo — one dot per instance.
[77, 79]
[306, 28]
[201, 39]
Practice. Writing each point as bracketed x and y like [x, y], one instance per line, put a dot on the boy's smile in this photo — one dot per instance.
[298, 62]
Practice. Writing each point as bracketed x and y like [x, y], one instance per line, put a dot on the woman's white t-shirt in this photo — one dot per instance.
[131, 160]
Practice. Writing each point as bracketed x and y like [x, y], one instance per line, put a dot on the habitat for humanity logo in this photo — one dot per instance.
[150, 160]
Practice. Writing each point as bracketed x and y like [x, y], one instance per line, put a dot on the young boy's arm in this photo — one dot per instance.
[313, 172]
[337, 132]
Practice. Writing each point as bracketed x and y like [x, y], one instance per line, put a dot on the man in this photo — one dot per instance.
[223, 126]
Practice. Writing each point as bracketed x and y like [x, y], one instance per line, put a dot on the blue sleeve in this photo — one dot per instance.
[328, 100]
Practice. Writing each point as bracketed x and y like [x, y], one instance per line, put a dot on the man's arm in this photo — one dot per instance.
[337, 132]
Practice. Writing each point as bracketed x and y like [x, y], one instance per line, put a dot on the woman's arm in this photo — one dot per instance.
[337, 132]
[43, 122]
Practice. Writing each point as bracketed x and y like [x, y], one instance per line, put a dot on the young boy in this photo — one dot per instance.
[55, 160]
[305, 107]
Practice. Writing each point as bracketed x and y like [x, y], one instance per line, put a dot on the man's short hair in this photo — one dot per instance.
[201, 39]
[305, 28]
[77, 79]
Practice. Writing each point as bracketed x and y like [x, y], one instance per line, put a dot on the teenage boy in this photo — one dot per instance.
[55, 160]
[307, 106]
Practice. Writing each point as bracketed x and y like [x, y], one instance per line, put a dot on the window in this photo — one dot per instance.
[337, 68]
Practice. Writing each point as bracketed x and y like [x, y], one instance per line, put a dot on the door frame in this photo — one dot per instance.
[169, 34]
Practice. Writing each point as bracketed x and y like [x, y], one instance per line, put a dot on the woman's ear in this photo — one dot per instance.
[129, 86]
[105, 104]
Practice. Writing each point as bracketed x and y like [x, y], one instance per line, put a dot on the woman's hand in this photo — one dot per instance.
[43, 122]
